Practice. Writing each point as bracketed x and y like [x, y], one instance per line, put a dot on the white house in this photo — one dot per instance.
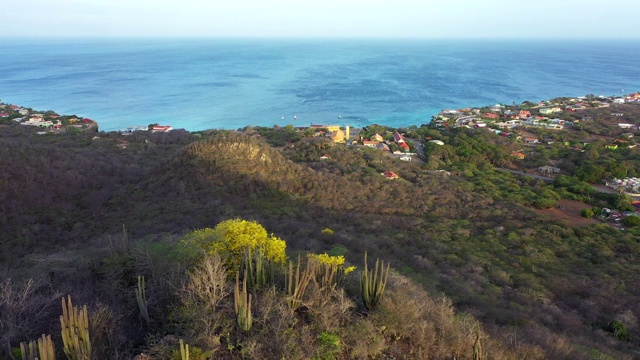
[532, 121]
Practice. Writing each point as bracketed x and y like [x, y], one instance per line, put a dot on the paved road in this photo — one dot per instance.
[598, 188]
[419, 149]
[460, 120]
[518, 172]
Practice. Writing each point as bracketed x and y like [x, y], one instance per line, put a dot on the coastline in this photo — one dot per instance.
[50, 118]
[230, 83]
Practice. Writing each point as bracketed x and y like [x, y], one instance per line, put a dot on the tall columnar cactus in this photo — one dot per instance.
[243, 304]
[326, 274]
[478, 351]
[330, 270]
[296, 282]
[258, 267]
[28, 351]
[75, 331]
[141, 298]
[42, 349]
[184, 350]
[46, 349]
[373, 282]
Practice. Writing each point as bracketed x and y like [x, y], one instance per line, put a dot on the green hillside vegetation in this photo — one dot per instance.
[540, 289]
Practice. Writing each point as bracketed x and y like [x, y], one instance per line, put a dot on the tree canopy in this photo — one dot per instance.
[231, 238]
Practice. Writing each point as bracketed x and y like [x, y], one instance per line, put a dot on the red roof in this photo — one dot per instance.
[398, 138]
[403, 145]
[162, 128]
[390, 175]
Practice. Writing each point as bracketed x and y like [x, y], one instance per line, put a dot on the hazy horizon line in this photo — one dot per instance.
[374, 38]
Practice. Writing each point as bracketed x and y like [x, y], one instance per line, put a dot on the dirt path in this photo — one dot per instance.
[570, 212]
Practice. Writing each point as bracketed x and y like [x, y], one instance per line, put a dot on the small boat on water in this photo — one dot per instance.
[295, 117]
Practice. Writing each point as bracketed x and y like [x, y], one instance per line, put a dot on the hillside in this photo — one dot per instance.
[470, 236]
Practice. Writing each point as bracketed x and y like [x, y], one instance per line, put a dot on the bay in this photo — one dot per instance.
[200, 84]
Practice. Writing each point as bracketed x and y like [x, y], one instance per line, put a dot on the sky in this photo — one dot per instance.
[321, 18]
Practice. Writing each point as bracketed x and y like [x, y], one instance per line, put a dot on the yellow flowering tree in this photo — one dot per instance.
[231, 238]
[331, 269]
[337, 261]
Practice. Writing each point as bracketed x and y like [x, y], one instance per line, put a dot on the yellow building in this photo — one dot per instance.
[337, 136]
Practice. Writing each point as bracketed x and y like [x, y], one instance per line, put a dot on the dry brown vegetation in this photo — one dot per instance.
[539, 287]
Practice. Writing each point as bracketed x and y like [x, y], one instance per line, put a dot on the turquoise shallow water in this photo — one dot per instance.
[222, 83]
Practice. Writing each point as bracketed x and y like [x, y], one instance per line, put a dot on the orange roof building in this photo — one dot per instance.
[519, 155]
[390, 175]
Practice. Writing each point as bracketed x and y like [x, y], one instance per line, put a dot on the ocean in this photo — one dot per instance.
[199, 84]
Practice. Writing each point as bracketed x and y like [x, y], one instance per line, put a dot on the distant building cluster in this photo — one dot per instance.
[540, 114]
[48, 121]
[627, 185]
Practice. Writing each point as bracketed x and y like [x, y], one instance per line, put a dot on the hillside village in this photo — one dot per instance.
[532, 127]
[531, 131]
[48, 122]
[548, 140]
[551, 114]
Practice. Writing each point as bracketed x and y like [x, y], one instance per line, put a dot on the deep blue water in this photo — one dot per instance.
[222, 83]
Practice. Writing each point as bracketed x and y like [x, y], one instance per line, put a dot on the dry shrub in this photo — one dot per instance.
[557, 346]
[207, 284]
[162, 348]
[331, 308]
[204, 312]
[418, 326]
[25, 309]
[273, 324]
[363, 340]
[105, 328]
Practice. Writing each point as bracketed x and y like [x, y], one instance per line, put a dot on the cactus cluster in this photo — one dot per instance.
[243, 304]
[42, 349]
[326, 274]
[296, 282]
[258, 267]
[75, 331]
[373, 282]
[184, 350]
[141, 298]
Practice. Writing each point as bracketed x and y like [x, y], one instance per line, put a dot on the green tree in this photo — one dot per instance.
[631, 221]
[587, 213]
[589, 172]
[623, 202]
